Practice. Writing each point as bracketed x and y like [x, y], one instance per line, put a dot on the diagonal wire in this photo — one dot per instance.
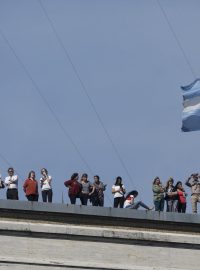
[176, 39]
[36, 87]
[48, 106]
[85, 91]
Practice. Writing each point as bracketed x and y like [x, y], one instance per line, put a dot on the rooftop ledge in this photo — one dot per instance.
[98, 216]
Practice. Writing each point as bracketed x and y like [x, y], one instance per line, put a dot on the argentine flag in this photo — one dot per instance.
[191, 104]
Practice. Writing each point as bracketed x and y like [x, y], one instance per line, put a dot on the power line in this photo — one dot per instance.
[83, 87]
[46, 103]
[176, 39]
[36, 87]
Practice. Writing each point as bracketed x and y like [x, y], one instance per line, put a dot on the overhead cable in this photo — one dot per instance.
[37, 88]
[83, 87]
[176, 39]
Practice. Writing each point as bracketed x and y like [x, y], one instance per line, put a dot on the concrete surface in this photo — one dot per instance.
[39, 236]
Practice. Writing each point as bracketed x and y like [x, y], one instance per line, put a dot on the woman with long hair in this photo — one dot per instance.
[45, 183]
[158, 194]
[74, 188]
[181, 205]
[87, 189]
[118, 190]
[170, 197]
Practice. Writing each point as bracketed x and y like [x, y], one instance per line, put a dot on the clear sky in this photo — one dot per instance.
[131, 67]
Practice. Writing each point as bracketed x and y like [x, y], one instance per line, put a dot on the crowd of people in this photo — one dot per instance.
[171, 194]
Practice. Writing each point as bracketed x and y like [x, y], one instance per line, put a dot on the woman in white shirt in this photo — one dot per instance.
[45, 182]
[118, 190]
[130, 201]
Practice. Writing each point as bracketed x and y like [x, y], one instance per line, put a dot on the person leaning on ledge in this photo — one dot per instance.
[194, 183]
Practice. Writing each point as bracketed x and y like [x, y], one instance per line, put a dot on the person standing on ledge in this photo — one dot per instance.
[11, 182]
[194, 183]
[97, 197]
[31, 187]
[158, 194]
[74, 188]
[118, 190]
[45, 183]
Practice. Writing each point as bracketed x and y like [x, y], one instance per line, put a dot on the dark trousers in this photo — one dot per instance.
[119, 202]
[97, 201]
[12, 194]
[181, 207]
[84, 198]
[47, 195]
[72, 199]
[159, 205]
[32, 197]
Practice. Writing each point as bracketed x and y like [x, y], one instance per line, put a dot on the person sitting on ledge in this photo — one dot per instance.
[130, 203]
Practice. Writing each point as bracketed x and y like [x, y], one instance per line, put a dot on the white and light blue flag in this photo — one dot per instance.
[191, 104]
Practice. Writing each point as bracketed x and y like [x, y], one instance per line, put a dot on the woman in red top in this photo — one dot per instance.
[74, 188]
[181, 206]
[31, 187]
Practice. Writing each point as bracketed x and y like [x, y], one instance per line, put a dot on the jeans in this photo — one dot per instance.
[72, 199]
[119, 202]
[171, 205]
[84, 198]
[159, 205]
[97, 201]
[47, 194]
[137, 205]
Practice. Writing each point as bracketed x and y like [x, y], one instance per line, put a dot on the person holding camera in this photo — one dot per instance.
[194, 183]
[45, 183]
[118, 190]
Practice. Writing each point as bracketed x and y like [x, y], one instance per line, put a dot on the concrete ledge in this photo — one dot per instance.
[65, 231]
[46, 236]
[104, 216]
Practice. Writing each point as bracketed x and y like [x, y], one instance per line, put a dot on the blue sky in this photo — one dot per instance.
[132, 69]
